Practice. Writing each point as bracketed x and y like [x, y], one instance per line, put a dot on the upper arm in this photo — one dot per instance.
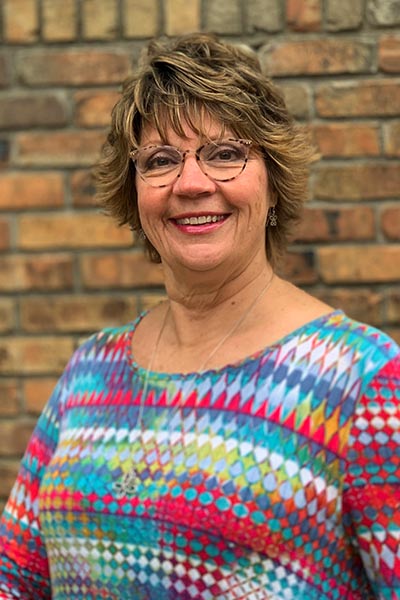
[372, 484]
[24, 571]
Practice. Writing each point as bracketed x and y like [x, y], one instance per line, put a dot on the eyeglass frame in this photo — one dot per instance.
[183, 153]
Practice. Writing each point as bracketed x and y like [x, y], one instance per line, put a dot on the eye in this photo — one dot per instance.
[224, 152]
[158, 158]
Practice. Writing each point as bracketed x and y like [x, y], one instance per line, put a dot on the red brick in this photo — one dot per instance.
[339, 224]
[393, 307]
[59, 20]
[392, 138]
[8, 473]
[304, 15]
[390, 223]
[22, 190]
[140, 19]
[99, 19]
[73, 67]
[80, 314]
[93, 109]
[372, 98]
[21, 21]
[37, 391]
[359, 264]
[32, 355]
[59, 148]
[70, 230]
[119, 270]
[7, 315]
[299, 267]
[14, 436]
[356, 181]
[389, 54]
[317, 57]
[50, 272]
[21, 111]
[361, 304]
[346, 139]
[83, 188]
[4, 234]
[10, 397]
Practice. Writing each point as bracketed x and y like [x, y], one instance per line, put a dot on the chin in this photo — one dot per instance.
[197, 262]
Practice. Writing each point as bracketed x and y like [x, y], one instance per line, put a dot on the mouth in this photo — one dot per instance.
[200, 220]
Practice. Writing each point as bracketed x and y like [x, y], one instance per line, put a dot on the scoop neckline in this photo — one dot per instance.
[145, 374]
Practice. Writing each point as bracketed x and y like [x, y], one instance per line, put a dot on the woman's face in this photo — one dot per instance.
[201, 224]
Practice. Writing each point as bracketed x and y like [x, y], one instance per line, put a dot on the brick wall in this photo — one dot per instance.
[66, 271]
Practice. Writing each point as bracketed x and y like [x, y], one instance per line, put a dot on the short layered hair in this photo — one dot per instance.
[188, 80]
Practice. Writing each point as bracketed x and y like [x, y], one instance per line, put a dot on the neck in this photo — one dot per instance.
[201, 312]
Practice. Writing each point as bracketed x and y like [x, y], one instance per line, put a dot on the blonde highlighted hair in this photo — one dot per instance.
[187, 80]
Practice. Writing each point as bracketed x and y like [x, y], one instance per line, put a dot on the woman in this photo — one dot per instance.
[240, 440]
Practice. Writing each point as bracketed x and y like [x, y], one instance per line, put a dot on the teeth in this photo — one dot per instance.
[200, 220]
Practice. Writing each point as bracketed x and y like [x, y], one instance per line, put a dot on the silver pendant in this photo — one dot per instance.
[126, 485]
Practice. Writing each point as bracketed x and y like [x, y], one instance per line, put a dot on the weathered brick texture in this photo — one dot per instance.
[72, 67]
[60, 23]
[343, 15]
[317, 57]
[372, 98]
[181, 16]
[65, 148]
[70, 230]
[20, 111]
[21, 21]
[10, 405]
[304, 15]
[4, 234]
[23, 190]
[140, 18]
[66, 270]
[389, 54]
[100, 19]
[347, 139]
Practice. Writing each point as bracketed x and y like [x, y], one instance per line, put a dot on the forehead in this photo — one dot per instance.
[186, 131]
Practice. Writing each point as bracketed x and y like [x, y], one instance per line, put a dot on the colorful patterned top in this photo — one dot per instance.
[274, 478]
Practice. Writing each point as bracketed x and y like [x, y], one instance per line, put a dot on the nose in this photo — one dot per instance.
[192, 181]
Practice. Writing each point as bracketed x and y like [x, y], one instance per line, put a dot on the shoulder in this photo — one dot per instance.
[364, 348]
[106, 345]
[342, 349]
[364, 339]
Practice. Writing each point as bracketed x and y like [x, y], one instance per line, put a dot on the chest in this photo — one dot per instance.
[228, 463]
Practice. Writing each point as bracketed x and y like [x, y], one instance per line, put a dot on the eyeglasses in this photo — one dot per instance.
[220, 160]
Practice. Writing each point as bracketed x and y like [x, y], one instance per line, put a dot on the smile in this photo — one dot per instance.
[200, 220]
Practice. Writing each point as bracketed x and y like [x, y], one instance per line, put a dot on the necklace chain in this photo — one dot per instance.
[127, 484]
[220, 343]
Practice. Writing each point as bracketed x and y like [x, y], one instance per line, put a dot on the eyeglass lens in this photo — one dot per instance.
[222, 161]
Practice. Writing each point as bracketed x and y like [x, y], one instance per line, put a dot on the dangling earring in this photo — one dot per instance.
[140, 233]
[272, 219]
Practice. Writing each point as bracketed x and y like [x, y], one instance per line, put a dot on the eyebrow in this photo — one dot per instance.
[207, 139]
